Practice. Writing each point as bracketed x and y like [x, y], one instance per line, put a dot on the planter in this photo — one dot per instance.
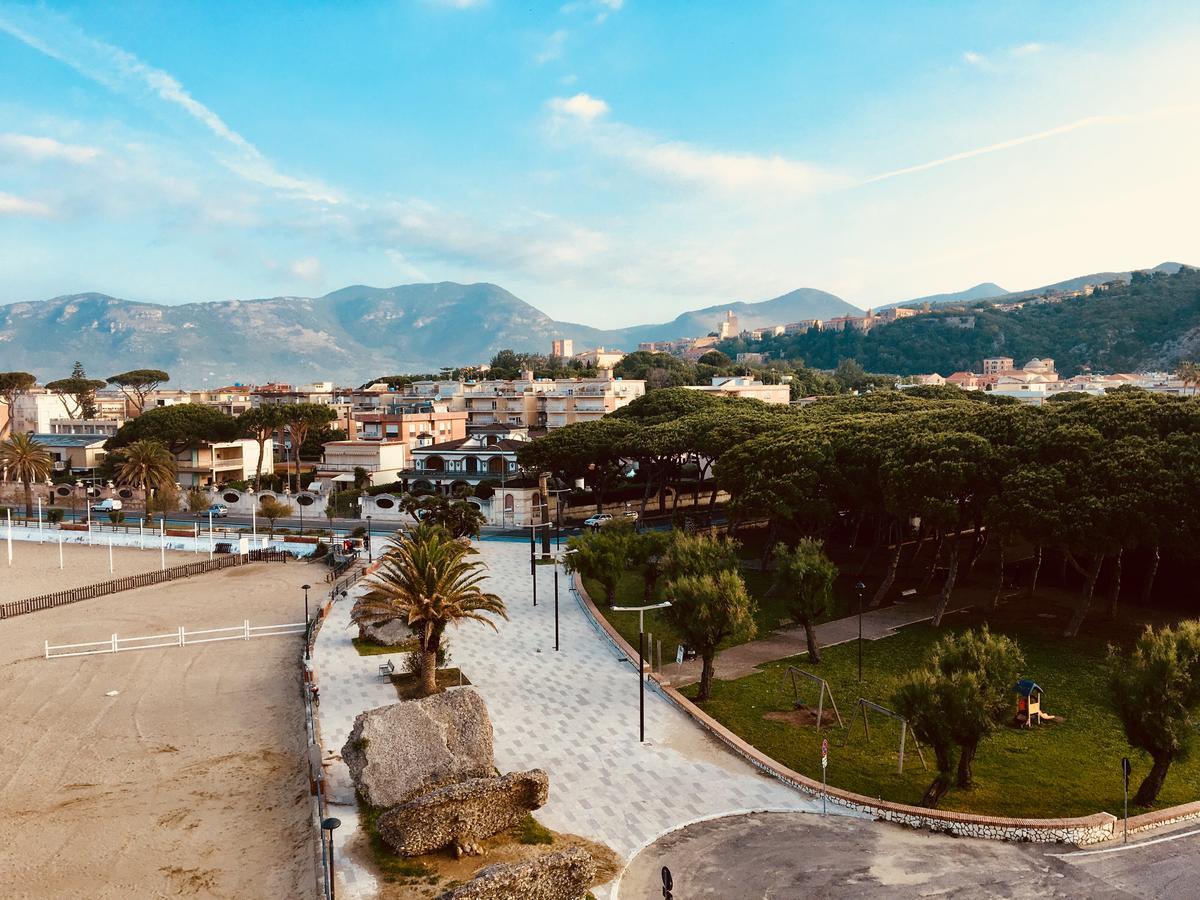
[66, 527]
[300, 540]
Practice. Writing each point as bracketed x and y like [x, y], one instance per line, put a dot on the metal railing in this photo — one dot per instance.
[178, 638]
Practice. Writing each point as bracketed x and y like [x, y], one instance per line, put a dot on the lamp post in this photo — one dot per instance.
[858, 589]
[559, 559]
[557, 514]
[641, 611]
[329, 826]
[533, 527]
[305, 588]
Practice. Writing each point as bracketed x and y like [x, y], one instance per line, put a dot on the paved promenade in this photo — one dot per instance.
[573, 713]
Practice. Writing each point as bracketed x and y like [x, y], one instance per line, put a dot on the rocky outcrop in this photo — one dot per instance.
[388, 634]
[562, 875]
[464, 813]
[398, 752]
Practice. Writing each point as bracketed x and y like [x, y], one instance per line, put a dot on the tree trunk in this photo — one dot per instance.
[948, 587]
[810, 635]
[1114, 591]
[879, 535]
[1037, 566]
[1085, 604]
[890, 577]
[941, 783]
[999, 576]
[262, 446]
[429, 671]
[1147, 792]
[937, 555]
[858, 520]
[1148, 584]
[28, 498]
[706, 675]
[978, 542]
[966, 758]
[649, 580]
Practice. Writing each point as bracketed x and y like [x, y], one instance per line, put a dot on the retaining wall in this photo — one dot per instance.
[1079, 830]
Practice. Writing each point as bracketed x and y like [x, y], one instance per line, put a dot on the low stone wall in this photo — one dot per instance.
[1080, 830]
[562, 875]
[462, 813]
[1151, 820]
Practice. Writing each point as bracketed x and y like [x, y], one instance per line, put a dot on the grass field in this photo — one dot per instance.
[1068, 768]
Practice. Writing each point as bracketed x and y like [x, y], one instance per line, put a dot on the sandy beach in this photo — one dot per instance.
[192, 779]
[35, 570]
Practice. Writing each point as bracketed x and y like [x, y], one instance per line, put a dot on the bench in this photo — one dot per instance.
[387, 669]
[908, 594]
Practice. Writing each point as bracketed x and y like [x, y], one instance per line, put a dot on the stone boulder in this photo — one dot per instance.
[398, 752]
[560, 875]
[387, 634]
[464, 813]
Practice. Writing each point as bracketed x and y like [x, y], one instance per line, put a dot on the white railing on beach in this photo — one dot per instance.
[178, 638]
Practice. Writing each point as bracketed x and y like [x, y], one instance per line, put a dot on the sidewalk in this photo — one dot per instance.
[744, 659]
[573, 713]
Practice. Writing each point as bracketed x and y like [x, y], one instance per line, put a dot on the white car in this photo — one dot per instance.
[107, 506]
[597, 520]
[218, 510]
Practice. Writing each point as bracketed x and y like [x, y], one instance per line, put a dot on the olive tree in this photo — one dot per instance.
[805, 575]
[708, 609]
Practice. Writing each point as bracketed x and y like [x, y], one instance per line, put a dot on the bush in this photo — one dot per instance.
[116, 517]
[360, 531]
[321, 550]
[54, 515]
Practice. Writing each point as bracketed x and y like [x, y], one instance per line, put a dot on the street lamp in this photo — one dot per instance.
[858, 589]
[559, 559]
[641, 611]
[533, 527]
[558, 513]
[305, 587]
[329, 826]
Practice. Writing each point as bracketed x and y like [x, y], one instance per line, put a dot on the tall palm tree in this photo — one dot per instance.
[428, 580]
[27, 461]
[146, 464]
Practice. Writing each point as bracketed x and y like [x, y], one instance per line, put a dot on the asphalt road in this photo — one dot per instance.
[786, 855]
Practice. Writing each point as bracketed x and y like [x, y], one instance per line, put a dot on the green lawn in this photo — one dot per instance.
[1066, 768]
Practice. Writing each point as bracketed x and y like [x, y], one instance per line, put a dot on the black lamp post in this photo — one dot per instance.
[557, 561]
[305, 588]
[641, 611]
[329, 826]
[859, 588]
[370, 550]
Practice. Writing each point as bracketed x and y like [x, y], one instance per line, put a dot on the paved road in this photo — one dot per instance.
[785, 855]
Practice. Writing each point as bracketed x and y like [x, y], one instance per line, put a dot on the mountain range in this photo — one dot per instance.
[354, 333]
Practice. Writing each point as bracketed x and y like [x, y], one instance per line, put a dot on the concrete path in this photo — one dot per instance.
[744, 659]
[573, 713]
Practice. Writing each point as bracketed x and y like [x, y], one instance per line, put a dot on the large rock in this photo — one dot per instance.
[463, 813]
[388, 634]
[398, 752]
[561, 875]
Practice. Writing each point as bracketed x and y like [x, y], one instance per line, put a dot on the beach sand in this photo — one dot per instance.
[34, 570]
[192, 780]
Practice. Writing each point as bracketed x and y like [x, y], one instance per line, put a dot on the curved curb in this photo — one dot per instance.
[1080, 830]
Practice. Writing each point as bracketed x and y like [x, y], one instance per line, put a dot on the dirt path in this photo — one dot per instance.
[191, 780]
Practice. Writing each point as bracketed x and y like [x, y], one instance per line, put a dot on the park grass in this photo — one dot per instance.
[1066, 768]
[370, 648]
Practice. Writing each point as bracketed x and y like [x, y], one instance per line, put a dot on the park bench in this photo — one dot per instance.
[908, 594]
[387, 669]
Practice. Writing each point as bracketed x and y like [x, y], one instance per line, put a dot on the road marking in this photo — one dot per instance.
[1161, 840]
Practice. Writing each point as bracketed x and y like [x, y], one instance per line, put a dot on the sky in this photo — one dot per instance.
[610, 161]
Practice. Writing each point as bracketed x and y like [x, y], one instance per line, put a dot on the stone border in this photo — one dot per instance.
[1162, 817]
[1081, 830]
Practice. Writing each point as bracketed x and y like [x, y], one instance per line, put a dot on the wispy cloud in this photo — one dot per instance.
[994, 62]
[553, 47]
[36, 148]
[582, 116]
[972, 58]
[1027, 49]
[124, 73]
[11, 205]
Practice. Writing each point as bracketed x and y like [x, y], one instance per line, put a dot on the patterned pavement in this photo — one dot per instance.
[573, 713]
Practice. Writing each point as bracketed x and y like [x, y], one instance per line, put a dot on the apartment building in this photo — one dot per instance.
[221, 462]
[382, 460]
[32, 412]
[416, 423]
[600, 358]
[546, 402]
[745, 386]
[997, 364]
[563, 348]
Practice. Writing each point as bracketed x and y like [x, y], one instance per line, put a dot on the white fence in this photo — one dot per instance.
[178, 638]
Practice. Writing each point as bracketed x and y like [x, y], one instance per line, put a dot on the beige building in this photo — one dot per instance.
[545, 402]
[600, 358]
[997, 364]
[728, 327]
[33, 412]
[417, 424]
[79, 453]
[383, 460]
[218, 463]
[563, 348]
[745, 386]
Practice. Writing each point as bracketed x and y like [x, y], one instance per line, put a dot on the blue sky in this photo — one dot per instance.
[610, 161]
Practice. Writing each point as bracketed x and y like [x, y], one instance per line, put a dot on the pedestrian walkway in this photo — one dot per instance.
[744, 659]
[573, 713]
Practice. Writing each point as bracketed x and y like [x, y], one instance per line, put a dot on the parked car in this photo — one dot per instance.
[597, 520]
[630, 514]
[107, 506]
[218, 510]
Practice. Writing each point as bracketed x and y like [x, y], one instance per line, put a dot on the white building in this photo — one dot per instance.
[745, 386]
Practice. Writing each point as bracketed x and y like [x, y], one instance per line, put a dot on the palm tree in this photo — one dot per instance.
[27, 461]
[146, 464]
[1189, 373]
[428, 580]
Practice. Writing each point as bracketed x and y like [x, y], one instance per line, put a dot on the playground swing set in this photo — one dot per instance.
[823, 691]
[863, 705]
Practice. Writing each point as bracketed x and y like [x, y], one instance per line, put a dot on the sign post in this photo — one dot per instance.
[668, 883]
[824, 766]
[1125, 770]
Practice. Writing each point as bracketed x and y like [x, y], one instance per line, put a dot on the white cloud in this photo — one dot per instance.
[11, 205]
[553, 48]
[33, 148]
[307, 269]
[124, 73]
[974, 59]
[584, 107]
[1027, 49]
